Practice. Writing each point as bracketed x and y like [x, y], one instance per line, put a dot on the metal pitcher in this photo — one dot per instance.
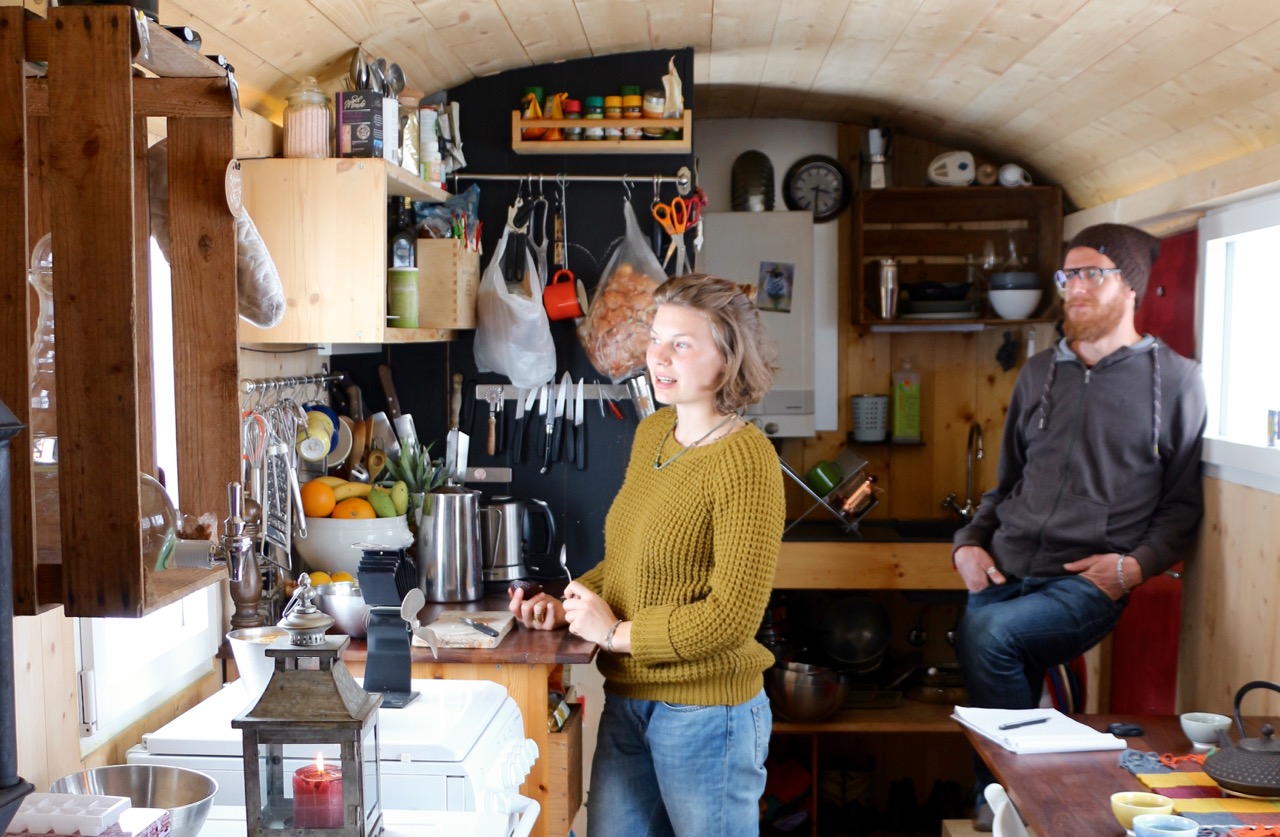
[448, 552]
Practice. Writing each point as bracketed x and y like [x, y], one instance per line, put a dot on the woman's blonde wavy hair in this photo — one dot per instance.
[749, 352]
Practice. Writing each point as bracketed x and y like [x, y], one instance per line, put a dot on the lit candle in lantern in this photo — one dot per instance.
[317, 796]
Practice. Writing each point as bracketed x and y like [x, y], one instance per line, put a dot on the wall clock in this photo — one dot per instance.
[818, 184]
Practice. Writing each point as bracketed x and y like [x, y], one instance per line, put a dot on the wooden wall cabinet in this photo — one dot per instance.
[325, 224]
[73, 162]
[936, 233]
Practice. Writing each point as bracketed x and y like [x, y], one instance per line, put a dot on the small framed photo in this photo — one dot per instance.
[775, 284]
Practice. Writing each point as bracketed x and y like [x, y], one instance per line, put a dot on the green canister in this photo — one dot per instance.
[402, 297]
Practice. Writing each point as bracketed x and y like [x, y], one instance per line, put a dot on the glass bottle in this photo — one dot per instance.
[44, 404]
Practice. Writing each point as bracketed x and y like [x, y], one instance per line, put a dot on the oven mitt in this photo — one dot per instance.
[258, 286]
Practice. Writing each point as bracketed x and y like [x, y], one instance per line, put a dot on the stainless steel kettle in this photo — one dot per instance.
[448, 552]
[1252, 765]
[507, 536]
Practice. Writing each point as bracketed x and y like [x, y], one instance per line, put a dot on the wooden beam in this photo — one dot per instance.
[15, 312]
[91, 152]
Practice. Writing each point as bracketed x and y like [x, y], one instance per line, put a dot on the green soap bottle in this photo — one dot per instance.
[906, 403]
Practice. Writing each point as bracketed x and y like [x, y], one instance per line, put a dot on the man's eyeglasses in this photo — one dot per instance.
[1092, 277]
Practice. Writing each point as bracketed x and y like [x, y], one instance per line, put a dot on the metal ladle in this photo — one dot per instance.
[358, 74]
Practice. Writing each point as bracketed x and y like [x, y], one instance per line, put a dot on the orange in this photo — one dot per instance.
[318, 499]
[354, 507]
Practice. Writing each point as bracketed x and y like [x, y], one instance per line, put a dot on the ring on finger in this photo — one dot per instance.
[991, 570]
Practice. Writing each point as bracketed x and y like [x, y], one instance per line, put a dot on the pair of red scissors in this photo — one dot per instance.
[677, 216]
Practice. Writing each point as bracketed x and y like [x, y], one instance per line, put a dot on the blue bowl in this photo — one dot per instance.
[1016, 281]
[1164, 825]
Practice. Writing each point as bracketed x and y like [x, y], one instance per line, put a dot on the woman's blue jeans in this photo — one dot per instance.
[1012, 633]
[675, 770]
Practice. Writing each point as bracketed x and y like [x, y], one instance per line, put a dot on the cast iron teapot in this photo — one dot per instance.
[1251, 766]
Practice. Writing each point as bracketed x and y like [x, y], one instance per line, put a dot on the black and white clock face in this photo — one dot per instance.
[818, 184]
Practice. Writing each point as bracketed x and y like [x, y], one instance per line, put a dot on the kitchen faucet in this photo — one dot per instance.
[973, 452]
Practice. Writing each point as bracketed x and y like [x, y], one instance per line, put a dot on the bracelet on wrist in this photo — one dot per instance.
[608, 640]
[1124, 588]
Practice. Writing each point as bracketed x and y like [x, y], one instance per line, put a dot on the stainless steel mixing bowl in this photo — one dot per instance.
[186, 794]
[804, 693]
[345, 603]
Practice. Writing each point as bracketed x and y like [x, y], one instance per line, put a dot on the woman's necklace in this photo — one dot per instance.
[658, 464]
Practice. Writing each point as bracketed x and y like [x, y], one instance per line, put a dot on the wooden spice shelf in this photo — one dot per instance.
[684, 145]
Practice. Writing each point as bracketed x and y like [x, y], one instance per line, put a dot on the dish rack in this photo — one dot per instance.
[852, 465]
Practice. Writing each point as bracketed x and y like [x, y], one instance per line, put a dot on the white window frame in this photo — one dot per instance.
[1250, 464]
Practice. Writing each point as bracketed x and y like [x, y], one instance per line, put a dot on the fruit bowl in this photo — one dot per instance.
[334, 545]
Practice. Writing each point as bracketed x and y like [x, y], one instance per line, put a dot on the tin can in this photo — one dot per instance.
[888, 287]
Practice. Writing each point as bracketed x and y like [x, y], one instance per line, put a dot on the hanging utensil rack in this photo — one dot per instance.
[683, 178]
[248, 386]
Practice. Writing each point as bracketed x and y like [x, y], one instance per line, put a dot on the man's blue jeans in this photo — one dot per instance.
[663, 769]
[1012, 633]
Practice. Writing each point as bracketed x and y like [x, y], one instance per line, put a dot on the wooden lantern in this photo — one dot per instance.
[311, 745]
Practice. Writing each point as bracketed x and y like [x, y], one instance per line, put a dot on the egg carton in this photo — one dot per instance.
[68, 813]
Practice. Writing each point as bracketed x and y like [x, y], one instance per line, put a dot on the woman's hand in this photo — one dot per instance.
[588, 615]
[540, 613]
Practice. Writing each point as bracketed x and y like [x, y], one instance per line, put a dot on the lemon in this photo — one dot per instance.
[320, 577]
[342, 575]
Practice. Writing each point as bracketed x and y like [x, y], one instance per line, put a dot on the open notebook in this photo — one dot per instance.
[1058, 734]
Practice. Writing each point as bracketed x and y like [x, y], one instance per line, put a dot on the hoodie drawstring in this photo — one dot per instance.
[1155, 398]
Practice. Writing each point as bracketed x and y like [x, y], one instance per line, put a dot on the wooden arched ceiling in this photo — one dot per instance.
[1106, 97]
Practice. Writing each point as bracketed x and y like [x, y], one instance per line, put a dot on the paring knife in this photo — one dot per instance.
[547, 419]
[579, 431]
[480, 626]
[517, 443]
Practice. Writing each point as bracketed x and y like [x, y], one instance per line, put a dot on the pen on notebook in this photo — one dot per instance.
[1022, 723]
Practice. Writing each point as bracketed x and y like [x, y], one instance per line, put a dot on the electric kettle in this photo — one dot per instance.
[507, 536]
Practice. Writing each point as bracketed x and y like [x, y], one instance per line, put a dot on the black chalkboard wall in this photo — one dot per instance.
[422, 373]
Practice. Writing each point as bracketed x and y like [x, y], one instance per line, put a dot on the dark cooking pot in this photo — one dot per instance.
[1252, 765]
[856, 632]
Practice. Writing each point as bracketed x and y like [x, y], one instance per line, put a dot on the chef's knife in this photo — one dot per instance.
[480, 626]
[502, 420]
[568, 419]
[389, 390]
[517, 439]
[455, 456]
[548, 391]
[579, 431]
[562, 393]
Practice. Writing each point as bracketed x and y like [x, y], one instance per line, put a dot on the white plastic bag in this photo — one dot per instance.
[513, 335]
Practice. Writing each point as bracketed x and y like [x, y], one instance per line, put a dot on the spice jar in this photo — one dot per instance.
[594, 110]
[306, 121]
[652, 105]
[572, 110]
[632, 108]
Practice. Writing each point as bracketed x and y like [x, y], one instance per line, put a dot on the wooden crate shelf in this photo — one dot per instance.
[684, 145]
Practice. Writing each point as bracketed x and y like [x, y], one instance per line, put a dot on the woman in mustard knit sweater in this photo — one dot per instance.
[691, 542]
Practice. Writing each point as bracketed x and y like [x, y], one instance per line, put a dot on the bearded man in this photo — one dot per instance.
[1099, 482]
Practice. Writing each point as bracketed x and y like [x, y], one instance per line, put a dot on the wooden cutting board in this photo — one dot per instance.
[452, 632]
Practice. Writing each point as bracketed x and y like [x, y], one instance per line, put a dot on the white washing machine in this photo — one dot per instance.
[459, 746]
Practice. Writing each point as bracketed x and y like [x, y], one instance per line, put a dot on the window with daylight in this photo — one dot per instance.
[1240, 261]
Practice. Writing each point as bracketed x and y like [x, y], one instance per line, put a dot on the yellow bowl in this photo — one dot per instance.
[1128, 804]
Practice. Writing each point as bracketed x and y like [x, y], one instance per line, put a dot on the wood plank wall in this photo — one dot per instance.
[1230, 622]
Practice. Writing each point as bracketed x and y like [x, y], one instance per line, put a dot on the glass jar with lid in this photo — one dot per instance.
[306, 121]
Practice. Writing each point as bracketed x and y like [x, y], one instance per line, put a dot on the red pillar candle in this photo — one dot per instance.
[317, 796]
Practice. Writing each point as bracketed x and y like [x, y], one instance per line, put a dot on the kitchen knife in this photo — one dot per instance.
[557, 433]
[389, 390]
[502, 420]
[548, 391]
[568, 419]
[517, 440]
[452, 440]
[480, 626]
[579, 431]
[355, 403]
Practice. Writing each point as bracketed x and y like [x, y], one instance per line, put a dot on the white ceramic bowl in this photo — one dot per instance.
[335, 545]
[249, 647]
[1202, 727]
[1018, 280]
[1164, 825]
[1014, 304]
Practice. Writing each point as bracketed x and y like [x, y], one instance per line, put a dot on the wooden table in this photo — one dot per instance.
[1070, 793]
[521, 663]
